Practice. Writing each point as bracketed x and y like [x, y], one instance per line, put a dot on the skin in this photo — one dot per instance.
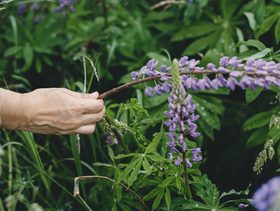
[51, 111]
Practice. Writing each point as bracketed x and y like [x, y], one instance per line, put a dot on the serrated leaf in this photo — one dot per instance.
[251, 94]
[258, 120]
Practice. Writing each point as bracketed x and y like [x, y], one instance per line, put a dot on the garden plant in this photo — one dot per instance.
[192, 99]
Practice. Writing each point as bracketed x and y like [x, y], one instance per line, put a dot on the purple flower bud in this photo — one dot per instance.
[231, 83]
[250, 62]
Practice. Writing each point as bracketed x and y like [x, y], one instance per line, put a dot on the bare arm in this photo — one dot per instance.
[51, 111]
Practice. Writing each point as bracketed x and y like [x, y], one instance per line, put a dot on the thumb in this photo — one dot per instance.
[94, 94]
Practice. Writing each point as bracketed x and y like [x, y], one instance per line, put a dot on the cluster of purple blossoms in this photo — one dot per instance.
[267, 197]
[65, 6]
[230, 73]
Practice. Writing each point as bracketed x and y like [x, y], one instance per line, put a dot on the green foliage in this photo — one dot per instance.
[120, 36]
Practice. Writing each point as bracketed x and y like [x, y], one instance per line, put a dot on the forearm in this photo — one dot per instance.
[12, 112]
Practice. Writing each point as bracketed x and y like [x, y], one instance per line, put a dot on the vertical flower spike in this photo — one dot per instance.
[181, 117]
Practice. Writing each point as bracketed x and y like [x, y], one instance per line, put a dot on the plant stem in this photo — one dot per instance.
[195, 72]
[186, 177]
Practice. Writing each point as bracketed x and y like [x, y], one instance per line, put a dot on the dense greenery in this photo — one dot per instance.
[43, 48]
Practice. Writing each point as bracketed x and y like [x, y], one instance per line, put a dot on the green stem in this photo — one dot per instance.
[186, 177]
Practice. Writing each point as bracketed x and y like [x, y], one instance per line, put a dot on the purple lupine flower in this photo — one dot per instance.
[184, 61]
[134, 75]
[152, 64]
[35, 7]
[211, 66]
[149, 91]
[196, 154]
[22, 9]
[178, 161]
[188, 163]
[265, 198]
[65, 6]
[224, 61]
[235, 62]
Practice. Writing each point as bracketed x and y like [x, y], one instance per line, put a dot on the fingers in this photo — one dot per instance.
[94, 95]
[87, 129]
[92, 118]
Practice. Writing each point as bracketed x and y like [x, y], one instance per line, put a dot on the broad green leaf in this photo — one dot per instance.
[251, 94]
[267, 24]
[200, 44]
[228, 8]
[251, 19]
[257, 137]
[261, 54]
[258, 120]
[12, 51]
[254, 43]
[195, 30]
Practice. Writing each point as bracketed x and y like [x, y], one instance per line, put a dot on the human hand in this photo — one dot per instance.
[53, 111]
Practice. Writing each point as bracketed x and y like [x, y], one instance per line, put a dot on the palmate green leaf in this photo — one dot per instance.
[228, 8]
[251, 94]
[258, 137]
[258, 120]
[197, 29]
